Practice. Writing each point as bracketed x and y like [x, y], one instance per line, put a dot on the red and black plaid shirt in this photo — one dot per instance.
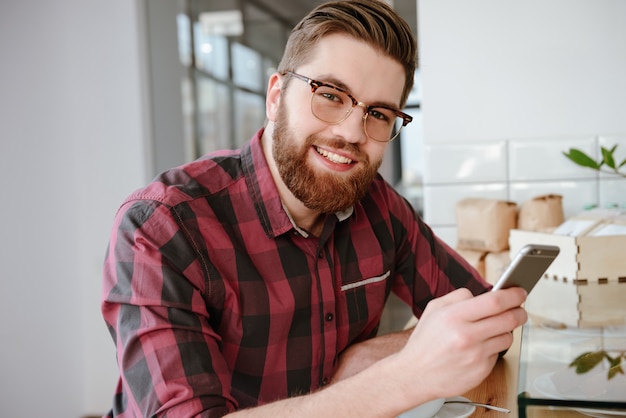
[216, 302]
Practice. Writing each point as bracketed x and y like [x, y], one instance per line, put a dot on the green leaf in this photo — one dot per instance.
[587, 361]
[614, 371]
[623, 163]
[615, 366]
[581, 158]
[607, 157]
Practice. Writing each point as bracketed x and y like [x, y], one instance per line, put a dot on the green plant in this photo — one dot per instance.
[607, 160]
[587, 361]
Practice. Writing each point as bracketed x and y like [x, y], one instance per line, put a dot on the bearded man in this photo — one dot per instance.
[251, 282]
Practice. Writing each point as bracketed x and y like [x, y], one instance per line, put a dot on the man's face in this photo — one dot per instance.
[320, 190]
[329, 167]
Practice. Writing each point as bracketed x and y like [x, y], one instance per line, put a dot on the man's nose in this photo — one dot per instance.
[352, 129]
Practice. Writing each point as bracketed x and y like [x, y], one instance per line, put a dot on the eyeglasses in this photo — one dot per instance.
[333, 105]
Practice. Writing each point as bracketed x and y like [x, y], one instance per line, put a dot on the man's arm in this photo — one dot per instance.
[360, 356]
[168, 354]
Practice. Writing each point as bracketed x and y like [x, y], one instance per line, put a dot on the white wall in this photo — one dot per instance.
[507, 86]
[72, 136]
[496, 69]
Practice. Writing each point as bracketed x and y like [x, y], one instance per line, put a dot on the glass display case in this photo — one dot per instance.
[570, 371]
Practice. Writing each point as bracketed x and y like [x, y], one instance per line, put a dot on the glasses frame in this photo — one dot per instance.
[316, 84]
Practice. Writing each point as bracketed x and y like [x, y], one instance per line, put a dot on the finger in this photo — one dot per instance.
[502, 323]
[498, 343]
[493, 303]
[451, 298]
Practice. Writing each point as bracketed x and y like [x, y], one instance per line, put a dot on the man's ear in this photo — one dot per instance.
[272, 99]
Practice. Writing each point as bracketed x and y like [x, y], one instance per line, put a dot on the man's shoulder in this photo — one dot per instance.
[384, 200]
[382, 191]
[198, 179]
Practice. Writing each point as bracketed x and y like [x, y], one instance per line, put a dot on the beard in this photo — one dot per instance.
[325, 192]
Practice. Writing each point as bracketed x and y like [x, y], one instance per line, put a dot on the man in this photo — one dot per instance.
[252, 282]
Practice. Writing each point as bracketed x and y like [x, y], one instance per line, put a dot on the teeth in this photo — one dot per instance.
[333, 157]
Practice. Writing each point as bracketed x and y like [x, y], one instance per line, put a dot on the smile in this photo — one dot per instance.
[335, 158]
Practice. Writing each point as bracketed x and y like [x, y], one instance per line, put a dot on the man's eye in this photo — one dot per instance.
[377, 114]
[332, 97]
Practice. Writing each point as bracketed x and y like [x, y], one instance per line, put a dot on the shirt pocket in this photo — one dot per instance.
[363, 301]
[366, 282]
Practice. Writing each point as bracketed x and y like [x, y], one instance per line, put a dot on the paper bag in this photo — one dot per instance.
[541, 213]
[484, 224]
[495, 264]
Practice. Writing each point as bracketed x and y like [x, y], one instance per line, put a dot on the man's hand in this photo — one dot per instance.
[458, 338]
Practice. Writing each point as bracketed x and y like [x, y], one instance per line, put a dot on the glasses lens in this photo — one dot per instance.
[380, 124]
[330, 105]
[333, 106]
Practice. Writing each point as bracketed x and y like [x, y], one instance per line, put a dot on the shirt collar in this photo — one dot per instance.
[343, 215]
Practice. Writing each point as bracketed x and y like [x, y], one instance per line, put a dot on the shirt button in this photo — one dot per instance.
[329, 316]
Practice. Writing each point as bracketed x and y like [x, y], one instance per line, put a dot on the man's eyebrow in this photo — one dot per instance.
[330, 79]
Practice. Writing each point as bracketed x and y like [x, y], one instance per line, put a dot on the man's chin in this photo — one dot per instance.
[328, 208]
[328, 195]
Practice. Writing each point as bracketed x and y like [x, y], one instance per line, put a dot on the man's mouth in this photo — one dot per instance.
[331, 156]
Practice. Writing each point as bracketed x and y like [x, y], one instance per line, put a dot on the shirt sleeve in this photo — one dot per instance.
[427, 267]
[154, 289]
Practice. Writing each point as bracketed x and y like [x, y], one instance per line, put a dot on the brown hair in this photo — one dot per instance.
[371, 21]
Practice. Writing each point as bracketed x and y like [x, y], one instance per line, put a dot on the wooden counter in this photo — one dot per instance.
[500, 387]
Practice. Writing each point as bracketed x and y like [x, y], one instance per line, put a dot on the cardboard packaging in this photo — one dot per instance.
[541, 213]
[586, 284]
[495, 264]
[484, 224]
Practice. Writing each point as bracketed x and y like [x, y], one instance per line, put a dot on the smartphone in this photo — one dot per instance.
[527, 267]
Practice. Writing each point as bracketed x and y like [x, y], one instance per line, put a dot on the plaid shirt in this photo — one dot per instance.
[216, 301]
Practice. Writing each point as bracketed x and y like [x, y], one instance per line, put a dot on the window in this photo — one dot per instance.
[229, 54]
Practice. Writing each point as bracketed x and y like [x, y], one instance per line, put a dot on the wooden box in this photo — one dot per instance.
[586, 284]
